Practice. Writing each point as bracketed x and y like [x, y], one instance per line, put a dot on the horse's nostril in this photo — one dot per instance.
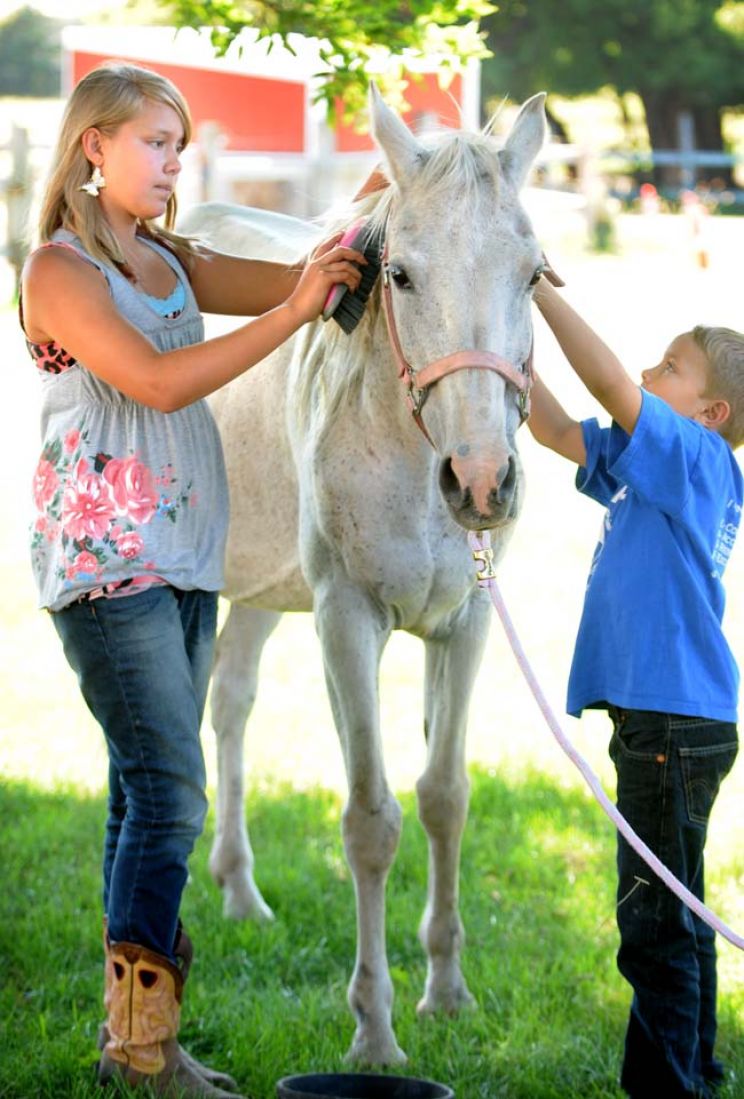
[450, 485]
[448, 481]
[507, 477]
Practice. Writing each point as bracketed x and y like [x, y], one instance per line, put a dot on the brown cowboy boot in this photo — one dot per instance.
[143, 1004]
[184, 951]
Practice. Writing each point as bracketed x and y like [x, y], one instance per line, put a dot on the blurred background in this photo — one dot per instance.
[645, 103]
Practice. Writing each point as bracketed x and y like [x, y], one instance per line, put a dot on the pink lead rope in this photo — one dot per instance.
[483, 554]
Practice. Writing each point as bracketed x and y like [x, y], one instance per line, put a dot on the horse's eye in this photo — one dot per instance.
[537, 275]
[399, 277]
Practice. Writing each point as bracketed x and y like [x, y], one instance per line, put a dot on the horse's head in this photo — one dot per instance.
[461, 258]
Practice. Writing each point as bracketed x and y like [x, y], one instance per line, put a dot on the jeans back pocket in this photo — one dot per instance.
[703, 771]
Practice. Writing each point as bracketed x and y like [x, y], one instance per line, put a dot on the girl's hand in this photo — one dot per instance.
[327, 265]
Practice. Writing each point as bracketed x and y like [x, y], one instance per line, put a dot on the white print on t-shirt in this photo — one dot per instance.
[605, 529]
[725, 538]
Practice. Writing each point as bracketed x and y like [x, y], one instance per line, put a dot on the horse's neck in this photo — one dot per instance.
[341, 389]
[381, 397]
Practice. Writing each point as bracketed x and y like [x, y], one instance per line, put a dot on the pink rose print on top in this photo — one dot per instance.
[87, 505]
[87, 563]
[45, 484]
[133, 488]
[93, 506]
[72, 440]
[129, 544]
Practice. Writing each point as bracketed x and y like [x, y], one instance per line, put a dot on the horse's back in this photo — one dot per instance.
[249, 231]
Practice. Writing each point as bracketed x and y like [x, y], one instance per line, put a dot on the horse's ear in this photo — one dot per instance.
[401, 149]
[525, 140]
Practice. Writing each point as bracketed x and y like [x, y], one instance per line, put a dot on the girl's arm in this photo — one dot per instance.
[224, 283]
[551, 425]
[241, 287]
[600, 370]
[67, 300]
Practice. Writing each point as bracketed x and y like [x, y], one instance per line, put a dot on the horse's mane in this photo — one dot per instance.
[457, 162]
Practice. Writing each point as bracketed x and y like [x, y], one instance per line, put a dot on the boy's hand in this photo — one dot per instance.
[543, 291]
[550, 273]
[327, 265]
[548, 279]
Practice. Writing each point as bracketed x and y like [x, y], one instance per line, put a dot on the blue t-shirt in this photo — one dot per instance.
[650, 636]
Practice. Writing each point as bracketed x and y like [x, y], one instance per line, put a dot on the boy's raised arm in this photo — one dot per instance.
[599, 369]
[551, 425]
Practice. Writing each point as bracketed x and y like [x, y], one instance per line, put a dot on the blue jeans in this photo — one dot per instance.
[669, 769]
[143, 663]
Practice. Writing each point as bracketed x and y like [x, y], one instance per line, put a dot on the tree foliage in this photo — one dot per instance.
[679, 47]
[679, 56]
[30, 54]
[357, 38]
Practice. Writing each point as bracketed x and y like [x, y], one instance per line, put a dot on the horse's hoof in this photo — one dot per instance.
[448, 1001]
[245, 904]
[375, 1051]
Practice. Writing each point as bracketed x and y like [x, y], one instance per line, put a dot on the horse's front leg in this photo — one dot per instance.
[353, 635]
[234, 685]
[452, 661]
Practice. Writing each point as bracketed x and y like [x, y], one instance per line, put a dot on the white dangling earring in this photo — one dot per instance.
[95, 183]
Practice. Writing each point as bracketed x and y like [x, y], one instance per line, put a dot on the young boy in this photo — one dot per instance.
[651, 651]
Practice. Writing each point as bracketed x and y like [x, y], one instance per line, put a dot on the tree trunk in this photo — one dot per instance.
[708, 136]
[663, 113]
[662, 122]
[557, 129]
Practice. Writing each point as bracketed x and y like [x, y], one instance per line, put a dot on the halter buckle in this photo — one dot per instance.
[415, 397]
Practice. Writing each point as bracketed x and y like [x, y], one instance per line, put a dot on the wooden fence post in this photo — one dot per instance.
[17, 193]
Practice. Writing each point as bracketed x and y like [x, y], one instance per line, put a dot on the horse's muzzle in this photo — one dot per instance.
[480, 492]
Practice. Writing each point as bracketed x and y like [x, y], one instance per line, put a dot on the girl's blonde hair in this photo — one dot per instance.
[109, 96]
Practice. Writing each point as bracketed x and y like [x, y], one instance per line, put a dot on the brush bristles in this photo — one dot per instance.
[350, 308]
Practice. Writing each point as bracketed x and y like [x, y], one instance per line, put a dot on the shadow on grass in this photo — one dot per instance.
[537, 896]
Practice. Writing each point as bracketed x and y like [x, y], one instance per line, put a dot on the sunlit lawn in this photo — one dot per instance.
[537, 892]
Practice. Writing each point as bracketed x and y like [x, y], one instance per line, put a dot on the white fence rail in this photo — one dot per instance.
[216, 173]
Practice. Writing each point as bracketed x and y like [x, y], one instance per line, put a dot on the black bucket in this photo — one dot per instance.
[342, 1085]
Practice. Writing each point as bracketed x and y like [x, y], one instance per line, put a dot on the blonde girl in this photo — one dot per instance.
[131, 508]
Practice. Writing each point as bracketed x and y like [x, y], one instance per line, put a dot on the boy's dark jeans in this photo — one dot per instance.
[669, 769]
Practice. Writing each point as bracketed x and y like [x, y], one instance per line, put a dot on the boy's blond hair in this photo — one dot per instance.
[724, 350]
[106, 98]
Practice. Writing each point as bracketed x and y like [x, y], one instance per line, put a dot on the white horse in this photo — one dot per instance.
[343, 507]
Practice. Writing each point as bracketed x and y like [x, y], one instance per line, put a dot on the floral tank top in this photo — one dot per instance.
[125, 495]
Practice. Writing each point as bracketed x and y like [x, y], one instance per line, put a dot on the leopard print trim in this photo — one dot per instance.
[50, 357]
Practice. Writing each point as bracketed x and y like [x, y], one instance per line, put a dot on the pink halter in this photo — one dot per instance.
[418, 382]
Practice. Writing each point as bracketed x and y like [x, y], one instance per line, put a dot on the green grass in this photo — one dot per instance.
[537, 899]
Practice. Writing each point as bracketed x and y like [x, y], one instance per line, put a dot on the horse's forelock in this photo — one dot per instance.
[456, 161]
[460, 162]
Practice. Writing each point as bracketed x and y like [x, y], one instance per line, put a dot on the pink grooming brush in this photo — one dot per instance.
[346, 307]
